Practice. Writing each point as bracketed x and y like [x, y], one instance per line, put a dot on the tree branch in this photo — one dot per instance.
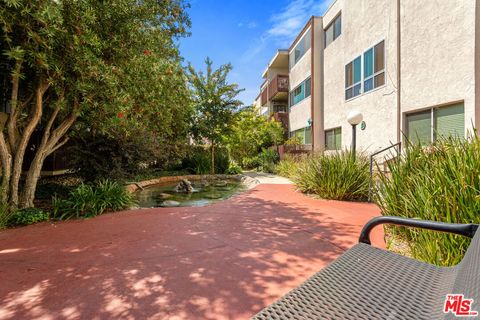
[59, 145]
[12, 120]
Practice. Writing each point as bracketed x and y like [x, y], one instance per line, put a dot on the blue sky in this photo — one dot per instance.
[246, 33]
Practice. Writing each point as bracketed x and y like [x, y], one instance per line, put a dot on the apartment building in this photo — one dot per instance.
[410, 67]
[272, 102]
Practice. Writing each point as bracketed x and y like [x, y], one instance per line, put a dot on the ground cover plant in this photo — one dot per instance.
[440, 182]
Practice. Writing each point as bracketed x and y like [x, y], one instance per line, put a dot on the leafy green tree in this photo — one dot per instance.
[251, 133]
[73, 58]
[215, 101]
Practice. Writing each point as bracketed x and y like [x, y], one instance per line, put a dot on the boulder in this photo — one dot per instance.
[170, 203]
[220, 183]
[184, 186]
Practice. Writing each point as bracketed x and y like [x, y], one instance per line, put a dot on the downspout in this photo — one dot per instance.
[399, 83]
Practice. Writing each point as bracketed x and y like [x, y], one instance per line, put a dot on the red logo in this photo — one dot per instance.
[459, 306]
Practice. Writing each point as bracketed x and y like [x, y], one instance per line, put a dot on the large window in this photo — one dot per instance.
[305, 135]
[427, 126]
[300, 49]
[373, 74]
[374, 67]
[353, 78]
[333, 139]
[334, 30]
[301, 92]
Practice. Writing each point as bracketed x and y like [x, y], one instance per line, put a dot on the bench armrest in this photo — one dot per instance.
[467, 230]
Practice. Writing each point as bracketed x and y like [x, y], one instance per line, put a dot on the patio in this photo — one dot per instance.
[225, 261]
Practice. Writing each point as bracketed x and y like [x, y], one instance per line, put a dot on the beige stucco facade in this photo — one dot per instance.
[300, 113]
[377, 106]
[431, 59]
[440, 70]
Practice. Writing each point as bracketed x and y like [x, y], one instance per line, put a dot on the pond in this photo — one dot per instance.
[205, 193]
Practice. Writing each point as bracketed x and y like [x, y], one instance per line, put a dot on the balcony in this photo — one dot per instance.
[278, 88]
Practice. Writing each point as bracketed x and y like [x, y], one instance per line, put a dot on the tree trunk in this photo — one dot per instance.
[213, 159]
[36, 115]
[49, 144]
[32, 179]
[6, 160]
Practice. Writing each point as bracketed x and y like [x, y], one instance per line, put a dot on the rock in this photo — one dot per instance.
[170, 203]
[164, 196]
[220, 184]
[184, 186]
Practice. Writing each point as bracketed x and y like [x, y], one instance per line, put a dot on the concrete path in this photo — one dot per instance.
[225, 261]
[267, 178]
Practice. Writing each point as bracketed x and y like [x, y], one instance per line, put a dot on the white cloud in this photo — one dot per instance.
[285, 26]
[287, 23]
[249, 25]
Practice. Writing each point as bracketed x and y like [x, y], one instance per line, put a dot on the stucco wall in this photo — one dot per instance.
[438, 57]
[364, 24]
[299, 114]
[272, 72]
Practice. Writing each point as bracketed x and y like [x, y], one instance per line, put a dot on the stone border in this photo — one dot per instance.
[135, 186]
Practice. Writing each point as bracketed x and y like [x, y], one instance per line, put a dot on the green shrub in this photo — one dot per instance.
[251, 162]
[91, 200]
[268, 159]
[337, 176]
[287, 167]
[234, 169]
[23, 217]
[199, 160]
[439, 183]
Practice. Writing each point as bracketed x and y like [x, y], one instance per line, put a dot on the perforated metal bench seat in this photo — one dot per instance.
[371, 283]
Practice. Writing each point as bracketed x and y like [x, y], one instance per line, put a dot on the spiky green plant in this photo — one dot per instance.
[439, 183]
[91, 200]
[287, 167]
[338, 176]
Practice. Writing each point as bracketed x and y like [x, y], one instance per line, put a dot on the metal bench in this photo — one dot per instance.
[371, 283]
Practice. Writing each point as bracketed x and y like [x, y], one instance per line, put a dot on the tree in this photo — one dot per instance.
[251, 133]
[214, 104]
[68, 59]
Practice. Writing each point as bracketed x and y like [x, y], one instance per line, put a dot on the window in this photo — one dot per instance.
[353, 78]
[426, 126]
[301, 92]
[373, 72]
[300, 49]
[298, 94]
[308, 87]
[305, 135]
[334, 30]
[374, 67]
[333, 139]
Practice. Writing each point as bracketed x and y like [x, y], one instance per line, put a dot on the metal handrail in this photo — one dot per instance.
[398, 147]
[467, 230]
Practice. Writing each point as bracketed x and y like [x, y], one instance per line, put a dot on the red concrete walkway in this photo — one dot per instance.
[224, 261]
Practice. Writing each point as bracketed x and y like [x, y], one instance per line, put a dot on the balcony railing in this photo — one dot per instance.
[278, 84]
